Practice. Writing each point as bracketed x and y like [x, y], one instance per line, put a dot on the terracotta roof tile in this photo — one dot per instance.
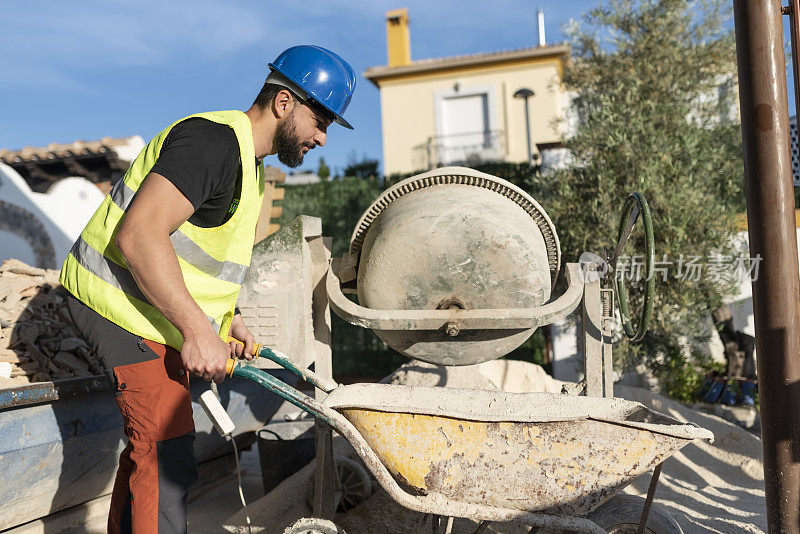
[57, 151]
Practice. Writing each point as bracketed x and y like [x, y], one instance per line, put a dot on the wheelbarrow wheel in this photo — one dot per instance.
[621, 515]
[313, 525]
[355, 484]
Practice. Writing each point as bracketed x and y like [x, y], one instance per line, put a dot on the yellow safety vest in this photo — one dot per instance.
[213, 261]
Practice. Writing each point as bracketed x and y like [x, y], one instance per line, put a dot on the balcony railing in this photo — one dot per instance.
[459, 149]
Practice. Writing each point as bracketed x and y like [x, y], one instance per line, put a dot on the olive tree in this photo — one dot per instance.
[654, 87]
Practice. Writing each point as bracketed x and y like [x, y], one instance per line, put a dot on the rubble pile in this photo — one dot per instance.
[39, 343]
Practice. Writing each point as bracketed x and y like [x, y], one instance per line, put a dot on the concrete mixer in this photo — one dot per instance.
[452, 267]
[456, 267]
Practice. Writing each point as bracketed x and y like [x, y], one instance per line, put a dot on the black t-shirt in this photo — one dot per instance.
[201, 158]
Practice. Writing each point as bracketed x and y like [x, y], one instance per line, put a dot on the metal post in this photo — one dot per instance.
[607, 297]
[771, 228]
[528, 133]
[648, 502]
[525, 94]
[596, 330]
[592, 332]
[318, 250]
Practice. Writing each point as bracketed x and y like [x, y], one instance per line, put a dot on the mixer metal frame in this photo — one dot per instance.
[584, 285]
[483, 319]
[596, 328]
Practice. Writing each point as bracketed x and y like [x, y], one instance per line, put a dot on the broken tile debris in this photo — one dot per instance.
[38, 341]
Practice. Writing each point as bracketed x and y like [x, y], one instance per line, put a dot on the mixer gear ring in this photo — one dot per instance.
[462, 176]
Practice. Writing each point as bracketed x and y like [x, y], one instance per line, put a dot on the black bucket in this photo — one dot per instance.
[284, 447]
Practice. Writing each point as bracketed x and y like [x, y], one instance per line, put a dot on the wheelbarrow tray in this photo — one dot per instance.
[536, 452]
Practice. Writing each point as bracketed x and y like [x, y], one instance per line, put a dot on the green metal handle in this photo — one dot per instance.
[262, 351]
[634, 206]
[283, 390]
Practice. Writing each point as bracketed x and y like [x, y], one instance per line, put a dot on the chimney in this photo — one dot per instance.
[398, 43]
[541, 27]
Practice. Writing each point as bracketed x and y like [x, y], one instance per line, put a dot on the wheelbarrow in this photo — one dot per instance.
[536, 459]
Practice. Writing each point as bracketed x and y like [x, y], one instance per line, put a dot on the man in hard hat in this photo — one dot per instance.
[155, 274]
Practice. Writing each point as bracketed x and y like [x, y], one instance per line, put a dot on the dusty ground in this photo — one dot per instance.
[708, 487]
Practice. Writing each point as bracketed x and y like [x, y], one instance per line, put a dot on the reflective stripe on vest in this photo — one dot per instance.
[185, 248]
[213, 261]
[111, 273]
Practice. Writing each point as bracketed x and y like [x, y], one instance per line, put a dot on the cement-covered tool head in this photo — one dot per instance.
[454, 239]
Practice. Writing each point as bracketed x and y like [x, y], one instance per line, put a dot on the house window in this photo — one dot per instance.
[465, 132]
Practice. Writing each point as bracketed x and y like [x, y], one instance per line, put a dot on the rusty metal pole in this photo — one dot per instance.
[771, 228]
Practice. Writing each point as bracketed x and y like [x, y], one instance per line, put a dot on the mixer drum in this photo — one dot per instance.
[454, 238]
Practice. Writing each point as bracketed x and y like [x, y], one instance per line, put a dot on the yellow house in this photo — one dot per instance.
[466, 109]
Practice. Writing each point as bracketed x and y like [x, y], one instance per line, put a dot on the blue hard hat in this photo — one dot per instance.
[326, 78]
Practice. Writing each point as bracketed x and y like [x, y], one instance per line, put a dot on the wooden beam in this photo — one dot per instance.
[274, 174]
[116, 164]
[76, 167]
[34, 171]
[263, 217]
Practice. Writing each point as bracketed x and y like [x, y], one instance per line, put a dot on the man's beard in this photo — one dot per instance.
[288, 144]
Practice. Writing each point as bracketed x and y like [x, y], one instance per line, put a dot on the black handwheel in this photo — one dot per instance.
[313, 525]
[635, 205]
[621, 515]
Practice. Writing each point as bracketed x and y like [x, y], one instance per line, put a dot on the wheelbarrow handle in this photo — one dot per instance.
[283, 390]
[230, 366]
[261, 351]
[256, 346]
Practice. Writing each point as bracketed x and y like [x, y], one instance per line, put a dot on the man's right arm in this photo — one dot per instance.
[158, 209]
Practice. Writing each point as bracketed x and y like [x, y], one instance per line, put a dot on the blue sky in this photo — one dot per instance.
[90, 69]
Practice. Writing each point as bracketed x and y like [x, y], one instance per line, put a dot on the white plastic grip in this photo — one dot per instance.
[214, 410]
